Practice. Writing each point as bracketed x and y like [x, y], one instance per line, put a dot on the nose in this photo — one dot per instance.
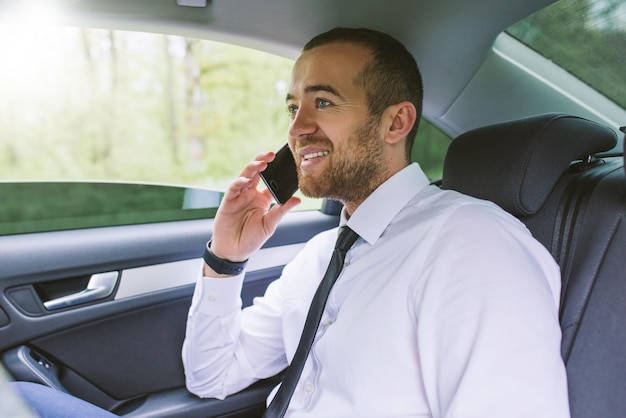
[302, 124]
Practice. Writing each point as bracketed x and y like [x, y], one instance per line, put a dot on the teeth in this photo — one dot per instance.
[316, 154]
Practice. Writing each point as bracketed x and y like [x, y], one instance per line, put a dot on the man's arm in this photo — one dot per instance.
[219, 354]
[227, 349]
[488, 330]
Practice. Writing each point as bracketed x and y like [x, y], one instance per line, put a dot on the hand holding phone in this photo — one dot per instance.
[281, 175]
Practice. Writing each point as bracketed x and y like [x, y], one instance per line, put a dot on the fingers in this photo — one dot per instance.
[276, 213]
[249, 177]
[254, 167]
[290, 204]
[287, 206]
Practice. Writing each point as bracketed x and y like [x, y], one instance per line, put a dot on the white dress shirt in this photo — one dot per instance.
[446, 307]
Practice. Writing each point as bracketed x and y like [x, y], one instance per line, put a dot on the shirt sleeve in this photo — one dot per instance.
[227, 349]
[488, 326]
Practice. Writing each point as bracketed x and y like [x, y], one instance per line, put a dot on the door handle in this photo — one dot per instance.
[100, 286]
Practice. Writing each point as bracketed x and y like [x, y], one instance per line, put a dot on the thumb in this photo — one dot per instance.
[277, 212]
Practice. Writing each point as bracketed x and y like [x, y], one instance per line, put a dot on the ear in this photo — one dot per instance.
[402, 117]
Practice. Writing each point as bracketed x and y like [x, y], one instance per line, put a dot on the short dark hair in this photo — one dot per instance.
[391, 77]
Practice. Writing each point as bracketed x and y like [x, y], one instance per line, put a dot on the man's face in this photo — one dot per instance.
[337, 145]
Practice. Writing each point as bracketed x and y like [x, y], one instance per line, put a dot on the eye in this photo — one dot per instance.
[322, 103]
[292, 110]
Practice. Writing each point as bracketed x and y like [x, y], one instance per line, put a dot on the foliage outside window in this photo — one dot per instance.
[55, 206]
[585, 37]
[109, 105]
[429, 149]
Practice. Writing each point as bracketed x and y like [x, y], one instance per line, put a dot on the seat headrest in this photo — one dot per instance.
[516, 164]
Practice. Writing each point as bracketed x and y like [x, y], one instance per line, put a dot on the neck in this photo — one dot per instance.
[352, 205]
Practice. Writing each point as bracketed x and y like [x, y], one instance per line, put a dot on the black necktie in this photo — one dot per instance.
[279, 404]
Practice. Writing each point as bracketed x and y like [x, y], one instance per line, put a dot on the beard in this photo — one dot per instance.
[354, 169]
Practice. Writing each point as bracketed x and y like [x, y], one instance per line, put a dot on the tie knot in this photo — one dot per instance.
[346, 238]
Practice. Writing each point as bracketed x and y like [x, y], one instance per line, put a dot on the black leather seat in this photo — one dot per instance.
[544, 171]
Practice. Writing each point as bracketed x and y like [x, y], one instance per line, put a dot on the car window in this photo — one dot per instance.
[429, 149]
[586, 38]
[112, 105]
[104, 127]
[38, 206]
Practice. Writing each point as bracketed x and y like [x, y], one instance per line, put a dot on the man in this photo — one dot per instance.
[447, 307]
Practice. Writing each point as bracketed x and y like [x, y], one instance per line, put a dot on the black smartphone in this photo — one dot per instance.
[281, 175]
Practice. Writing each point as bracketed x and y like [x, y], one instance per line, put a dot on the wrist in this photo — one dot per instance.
[222, 266]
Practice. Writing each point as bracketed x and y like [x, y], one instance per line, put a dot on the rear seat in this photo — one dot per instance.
[544, 171]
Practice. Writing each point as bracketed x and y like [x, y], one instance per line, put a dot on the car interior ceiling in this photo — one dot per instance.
[573, 202]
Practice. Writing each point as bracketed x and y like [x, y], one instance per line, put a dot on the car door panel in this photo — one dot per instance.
[122, 351]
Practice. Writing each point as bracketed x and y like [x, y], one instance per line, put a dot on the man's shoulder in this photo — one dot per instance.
[451, 212]
[445, 202]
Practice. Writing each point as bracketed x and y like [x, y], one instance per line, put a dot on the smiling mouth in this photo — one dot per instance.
[313, 155]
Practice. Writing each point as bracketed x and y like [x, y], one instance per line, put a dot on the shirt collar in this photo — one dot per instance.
[376, 212]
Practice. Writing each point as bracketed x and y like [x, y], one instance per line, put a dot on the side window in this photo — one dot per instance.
[85, 104]
[39, 206]
[102, 127]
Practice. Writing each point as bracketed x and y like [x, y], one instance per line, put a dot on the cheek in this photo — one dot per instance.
[339, 132]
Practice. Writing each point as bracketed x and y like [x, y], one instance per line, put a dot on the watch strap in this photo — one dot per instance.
[222, 265]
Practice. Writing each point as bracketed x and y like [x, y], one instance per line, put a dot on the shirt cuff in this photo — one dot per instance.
[217, 296]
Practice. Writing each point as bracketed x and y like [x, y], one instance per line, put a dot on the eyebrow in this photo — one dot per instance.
[318, 87]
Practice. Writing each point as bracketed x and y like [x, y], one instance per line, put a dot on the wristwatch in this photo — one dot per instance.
[222, 265]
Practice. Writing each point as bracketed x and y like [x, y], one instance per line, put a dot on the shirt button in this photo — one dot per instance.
[211, 298]
[308, 388]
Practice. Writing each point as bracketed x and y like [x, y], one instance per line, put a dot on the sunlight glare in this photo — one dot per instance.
[34, 12]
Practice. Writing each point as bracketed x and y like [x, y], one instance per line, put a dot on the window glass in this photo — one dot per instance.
[585, 37]
[55, 206]
[110, 105]
[97, 125]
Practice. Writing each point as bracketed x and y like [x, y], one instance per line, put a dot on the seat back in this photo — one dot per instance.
[593, 312]
[543, 170]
